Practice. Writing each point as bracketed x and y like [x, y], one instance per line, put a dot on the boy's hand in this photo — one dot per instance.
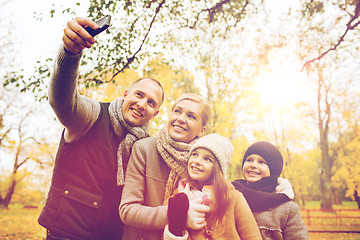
[284, 186]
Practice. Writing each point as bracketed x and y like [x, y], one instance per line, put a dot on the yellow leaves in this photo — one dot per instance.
[12, 144]
[240, 145]
[300, 171]
[223, 118]
[20, 223]
[113, 88]
[348, 115]
[349, 171]
[339, 179]
[111, 91]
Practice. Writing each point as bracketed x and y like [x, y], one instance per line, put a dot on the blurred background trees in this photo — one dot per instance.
[282, 71]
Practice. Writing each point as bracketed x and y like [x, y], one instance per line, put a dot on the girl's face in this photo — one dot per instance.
[185, 121]
[255, 168]
[201, 166]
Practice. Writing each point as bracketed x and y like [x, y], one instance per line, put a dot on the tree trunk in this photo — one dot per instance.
[357, 198]
[338, 194]
[325, 161]
[4, 203]
[325, 176]
[303, 201]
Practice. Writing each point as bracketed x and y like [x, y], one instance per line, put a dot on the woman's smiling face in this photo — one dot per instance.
[185, 121]
[255, 168]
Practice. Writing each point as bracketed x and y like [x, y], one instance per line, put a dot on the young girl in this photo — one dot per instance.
[277, 215]
[230, 216]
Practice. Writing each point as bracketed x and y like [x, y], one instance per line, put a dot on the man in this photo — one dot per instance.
[95, 146]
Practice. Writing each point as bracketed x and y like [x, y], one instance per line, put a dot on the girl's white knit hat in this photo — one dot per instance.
[220, 146]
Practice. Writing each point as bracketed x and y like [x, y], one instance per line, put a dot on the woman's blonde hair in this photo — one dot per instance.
[206, 113]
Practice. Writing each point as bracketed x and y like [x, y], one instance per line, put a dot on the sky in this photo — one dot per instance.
[41, 39]
[35, 40]
[38, 39]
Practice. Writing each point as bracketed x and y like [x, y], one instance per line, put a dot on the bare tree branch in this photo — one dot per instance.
[211, 12]
[349, 27]
[22, 162]
[3, 135]
[132, 58]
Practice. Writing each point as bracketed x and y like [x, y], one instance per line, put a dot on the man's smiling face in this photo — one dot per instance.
[141, 102]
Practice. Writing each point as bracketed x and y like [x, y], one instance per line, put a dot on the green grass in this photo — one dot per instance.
[344, 205]
[334, 236]
[345, 214]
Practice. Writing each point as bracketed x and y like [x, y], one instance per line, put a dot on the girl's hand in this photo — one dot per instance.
[192, 194]
[196, 214]
[177, 213]
[208, 191]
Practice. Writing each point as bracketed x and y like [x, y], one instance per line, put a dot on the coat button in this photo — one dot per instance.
[66, 192]
[95, 204]
[268, 233]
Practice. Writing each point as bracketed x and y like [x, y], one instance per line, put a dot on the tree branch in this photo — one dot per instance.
[214, 9]
[22, 162]
[132, 58]
[4, 135]
[349, 27]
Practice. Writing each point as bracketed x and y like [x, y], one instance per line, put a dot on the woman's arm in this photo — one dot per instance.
[133, 210]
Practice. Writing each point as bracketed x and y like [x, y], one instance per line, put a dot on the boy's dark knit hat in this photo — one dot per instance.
[269, 153]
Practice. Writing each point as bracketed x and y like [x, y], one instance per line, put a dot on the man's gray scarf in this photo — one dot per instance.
[121, 127]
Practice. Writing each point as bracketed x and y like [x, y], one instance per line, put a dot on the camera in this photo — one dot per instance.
[103, 23]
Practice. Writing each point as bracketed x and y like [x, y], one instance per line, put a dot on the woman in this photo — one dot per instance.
[155, 167]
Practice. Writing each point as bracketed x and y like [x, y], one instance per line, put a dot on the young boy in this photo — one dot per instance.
[277, 216]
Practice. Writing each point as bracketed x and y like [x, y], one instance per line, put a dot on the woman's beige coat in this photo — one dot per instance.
[141, 205]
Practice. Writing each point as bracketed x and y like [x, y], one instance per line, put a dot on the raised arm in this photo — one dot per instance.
[75, 112]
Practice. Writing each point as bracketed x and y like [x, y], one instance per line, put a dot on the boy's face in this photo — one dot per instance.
[201, 165]
[255, 168]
